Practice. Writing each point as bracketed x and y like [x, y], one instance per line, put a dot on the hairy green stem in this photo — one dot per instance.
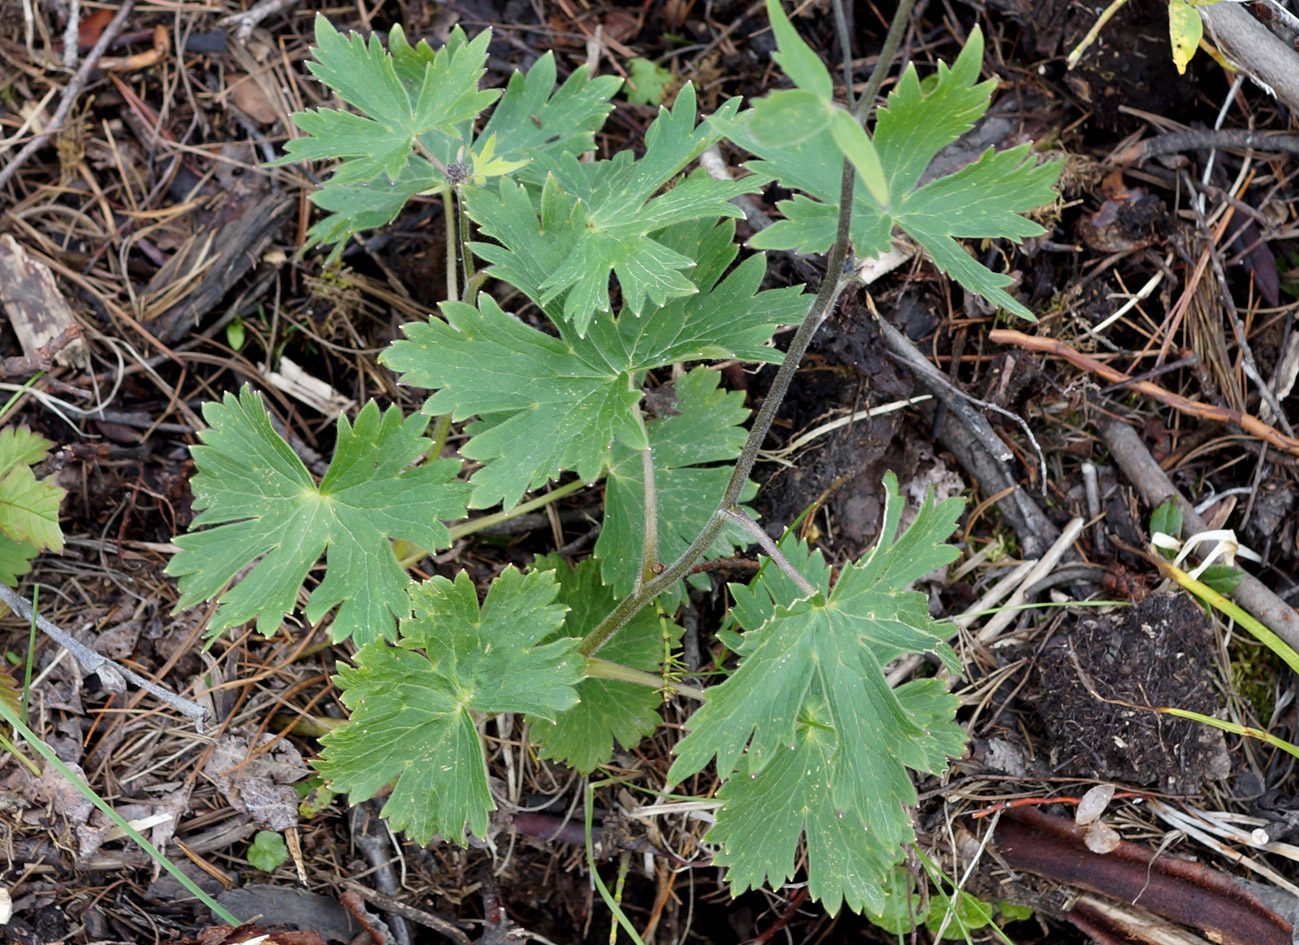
[441, 430]
[770, 547]
[891, 43]
[649, 552]
[604, 669]
[449, 213]
[450, 203]
[432, 158]
[466, 257]
[834, 282]
[845, 46]
[478, 524]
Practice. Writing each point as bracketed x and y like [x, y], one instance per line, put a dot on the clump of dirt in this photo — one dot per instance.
[1156, 654]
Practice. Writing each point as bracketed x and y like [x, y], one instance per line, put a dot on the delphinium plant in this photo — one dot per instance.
[811, 744]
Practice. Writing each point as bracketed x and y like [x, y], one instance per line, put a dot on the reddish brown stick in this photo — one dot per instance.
[1177, 889]
[1247, 422]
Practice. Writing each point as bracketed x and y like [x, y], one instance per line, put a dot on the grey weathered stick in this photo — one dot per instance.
[93, 662]
[966, 432]
[932, 378]
[1155, 487]
[1252, 47]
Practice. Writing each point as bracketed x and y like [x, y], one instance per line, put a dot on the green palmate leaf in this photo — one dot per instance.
[603, 217]
[608, 710]
[705, 429]
[15, 559]
[407, 93]
[558, 403]
[789, 117]
[535, 118]
[269, 510]
[983, 200]
[380, 173]
[365, 205]
[268, 851]
[796, 58]
[849, 854]
[414, 706]
[29, 508]
[807, 729]
[647, 82]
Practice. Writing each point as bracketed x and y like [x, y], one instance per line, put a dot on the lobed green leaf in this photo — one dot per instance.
[403, 94]
[15, 559]
[601, 218]
[267, 510]
[985, 199]
[796, 58]
[413, 706]
[29, 507]
[559, 403]
[608, 711]
[705, 428]
[413, 95]
[806, 729]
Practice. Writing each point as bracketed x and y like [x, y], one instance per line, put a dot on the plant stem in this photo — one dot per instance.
[466, 257]
[468, 528]
[891, 43]
[830, 288]
[441, 430]
[433, 159]
[769, 546]
[449, 213]
[845, 47]
[833, 283]
[450, 206]
[649, 552]
[603, 669]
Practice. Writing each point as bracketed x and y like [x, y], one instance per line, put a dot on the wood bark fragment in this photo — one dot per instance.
[1183, 891]
[37, 309]
[1253, 49]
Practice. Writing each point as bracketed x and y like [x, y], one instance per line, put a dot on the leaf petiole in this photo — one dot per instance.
[604, 669]
[523, 508]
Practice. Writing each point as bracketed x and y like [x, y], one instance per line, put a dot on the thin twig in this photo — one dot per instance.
[1247, 422]
[93, 662]
[423, 917]
[70, 94]
[248, 19]
[1178, 141]
[899, 345]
